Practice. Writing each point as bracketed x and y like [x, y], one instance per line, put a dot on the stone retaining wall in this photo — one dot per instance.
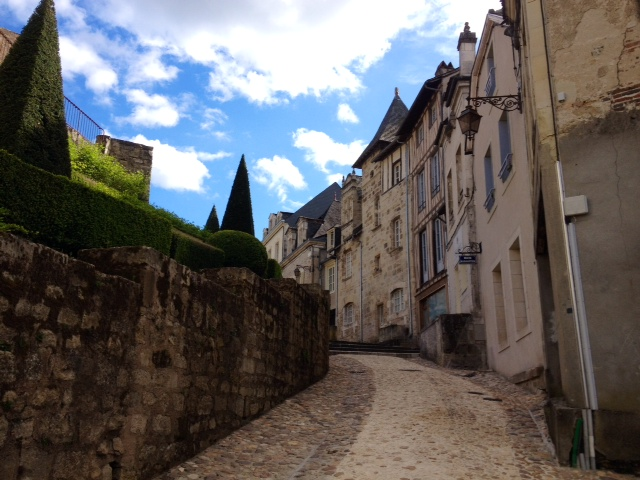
[124, 362]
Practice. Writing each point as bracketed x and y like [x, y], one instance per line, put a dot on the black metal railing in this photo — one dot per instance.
[81, 122]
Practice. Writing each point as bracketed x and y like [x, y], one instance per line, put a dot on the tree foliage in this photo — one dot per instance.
[212, 225]
[89, 160]
[239, 214]
[32, 119]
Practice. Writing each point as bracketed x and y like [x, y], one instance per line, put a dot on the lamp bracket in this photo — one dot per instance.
[507, 103]
[472, 248]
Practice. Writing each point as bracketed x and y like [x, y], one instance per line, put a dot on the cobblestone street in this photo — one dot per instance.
[376, 417]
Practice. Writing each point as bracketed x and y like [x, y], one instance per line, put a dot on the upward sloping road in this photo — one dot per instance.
[377, 417]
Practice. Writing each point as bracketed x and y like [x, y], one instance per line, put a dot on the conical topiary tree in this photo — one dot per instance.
[239, 214]
[212, 225]
[32, 121]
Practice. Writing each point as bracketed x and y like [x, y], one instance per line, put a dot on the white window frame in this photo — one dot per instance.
[397, 172]
[420, 138]
[332, 279]
[397, 300]
[348, 265]
[397, 233]
[424, 252]
[435, 174]
[422, 191]
[438, 244]
[348, 314]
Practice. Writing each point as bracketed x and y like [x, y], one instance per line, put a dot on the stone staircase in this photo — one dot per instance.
[352, 348]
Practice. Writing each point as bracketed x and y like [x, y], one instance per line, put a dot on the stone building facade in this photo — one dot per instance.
[299, 240]
[375, 303]
[581, 92]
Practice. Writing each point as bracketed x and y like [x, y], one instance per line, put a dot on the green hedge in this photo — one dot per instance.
[70, 216]
[274, 270]
[195, 254]
[241, 250]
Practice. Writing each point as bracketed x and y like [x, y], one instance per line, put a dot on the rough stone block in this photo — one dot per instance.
[7, 367]
[161, 424]
[138, 423]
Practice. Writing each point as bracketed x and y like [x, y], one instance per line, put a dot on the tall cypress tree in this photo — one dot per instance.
[32, 121]
[212, 224]
[239, 214]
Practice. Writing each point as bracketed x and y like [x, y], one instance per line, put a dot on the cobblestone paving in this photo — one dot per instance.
[377, 417]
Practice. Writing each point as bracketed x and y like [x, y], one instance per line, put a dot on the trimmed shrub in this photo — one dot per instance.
[195, 254]
[274, 270]
[241, 250]
[69, 216]
[239, 214]
[32, 120]
[212, 225]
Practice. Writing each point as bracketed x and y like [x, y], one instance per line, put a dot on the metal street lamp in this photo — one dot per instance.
[469, 119]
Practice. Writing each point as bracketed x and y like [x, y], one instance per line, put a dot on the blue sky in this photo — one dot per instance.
[297, 86]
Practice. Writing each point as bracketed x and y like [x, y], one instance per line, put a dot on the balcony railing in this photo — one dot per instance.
[80, 122]
[506, 167]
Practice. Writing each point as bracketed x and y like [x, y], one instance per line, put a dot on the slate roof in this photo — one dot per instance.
[387, 132]
[318, 206]
[331, 219]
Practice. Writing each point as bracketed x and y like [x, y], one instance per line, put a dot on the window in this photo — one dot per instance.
[450, 197]
[420, 133]
[505, 147]
[376, 263]
[488, 181]
[332, 239]
[435, 174]
[422, 191]
[397, 233]
[424, 256]
[433, 115]
[397, 172]
[380, 314]
[397, 301]
[376, 213]
[332, 279]
[517, 288]
[490, 88]
[498, 301]
[348, 314]
[438, 244]
[348, 265]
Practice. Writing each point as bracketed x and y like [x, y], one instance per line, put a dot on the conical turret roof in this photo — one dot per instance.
[387, 132]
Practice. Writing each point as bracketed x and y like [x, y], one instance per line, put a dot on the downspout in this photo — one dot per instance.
[361, 295]
[408, 230]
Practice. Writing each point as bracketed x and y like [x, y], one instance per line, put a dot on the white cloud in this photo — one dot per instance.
[448, 18]
[81, 59]
[269, 52]
[279, 175]
[212, 118]
[211, 157]
[149, 67]
[151, 110]
[322, 150]
[335, 178]
[346, 114]
[175, 169]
